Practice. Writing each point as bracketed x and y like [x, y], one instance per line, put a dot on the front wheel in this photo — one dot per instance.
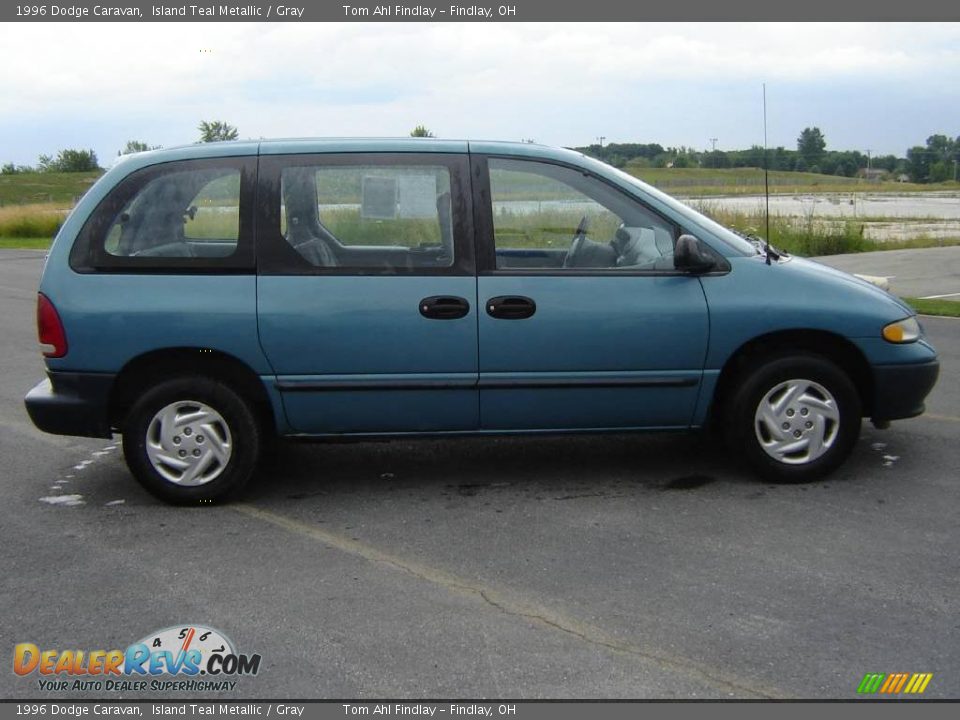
[191, 440]
[795, 418]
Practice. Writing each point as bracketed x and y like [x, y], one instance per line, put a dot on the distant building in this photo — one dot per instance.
[873, 174]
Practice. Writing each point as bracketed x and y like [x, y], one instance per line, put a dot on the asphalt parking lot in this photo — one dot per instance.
[589, 567]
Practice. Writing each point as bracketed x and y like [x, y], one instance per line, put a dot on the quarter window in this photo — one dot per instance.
[552, 217]
[187, 214]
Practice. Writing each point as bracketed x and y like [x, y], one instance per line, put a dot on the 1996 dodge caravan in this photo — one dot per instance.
[204, 299]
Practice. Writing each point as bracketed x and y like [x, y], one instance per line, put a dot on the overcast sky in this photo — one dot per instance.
[881, 87]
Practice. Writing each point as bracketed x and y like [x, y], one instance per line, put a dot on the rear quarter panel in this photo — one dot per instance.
[112, 317]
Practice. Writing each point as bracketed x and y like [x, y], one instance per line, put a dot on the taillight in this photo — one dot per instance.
[53, 340]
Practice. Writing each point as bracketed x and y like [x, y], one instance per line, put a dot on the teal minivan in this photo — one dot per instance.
[203, 300]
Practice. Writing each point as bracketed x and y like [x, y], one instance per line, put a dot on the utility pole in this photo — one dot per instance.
[601, 138]
[869, 166]
[713, 149]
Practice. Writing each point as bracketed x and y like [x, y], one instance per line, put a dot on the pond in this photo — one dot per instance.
[884, 216]
[874, 206]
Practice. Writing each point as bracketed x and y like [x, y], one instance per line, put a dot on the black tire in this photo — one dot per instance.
[223, 460]
[817, 384]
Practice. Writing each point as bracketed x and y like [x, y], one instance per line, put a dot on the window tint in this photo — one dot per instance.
[186, 214]
[368, 216]
[551, 217]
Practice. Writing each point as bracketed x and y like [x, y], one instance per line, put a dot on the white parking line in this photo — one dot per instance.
[938, 297]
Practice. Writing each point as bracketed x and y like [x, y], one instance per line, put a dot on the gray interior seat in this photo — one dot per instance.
[664, 240]
[445, 215]
[314, 249]
[640, 248]
[305, 233]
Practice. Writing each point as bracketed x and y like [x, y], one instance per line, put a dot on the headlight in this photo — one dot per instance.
[902, 331]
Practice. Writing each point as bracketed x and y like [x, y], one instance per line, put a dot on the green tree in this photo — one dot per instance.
[69, 161]
[936, 161]
[944, 153]
[749, 158]
[918, 164]
[811, 145]
[781, 159]
[715, 159]
[940, 171]
[135, 146]
[941, 147]
[216, 130]
[885, 162]
[421, 131]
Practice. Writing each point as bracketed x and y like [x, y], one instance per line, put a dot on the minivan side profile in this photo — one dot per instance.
[205, 299]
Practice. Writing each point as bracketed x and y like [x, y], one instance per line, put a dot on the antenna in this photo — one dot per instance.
[766, 171]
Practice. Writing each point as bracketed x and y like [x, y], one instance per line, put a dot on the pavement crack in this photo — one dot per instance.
[595, 637]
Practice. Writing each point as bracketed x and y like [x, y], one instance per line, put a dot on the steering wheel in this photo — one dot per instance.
[577, 243]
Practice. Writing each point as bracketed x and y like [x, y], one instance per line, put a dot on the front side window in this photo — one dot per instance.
[377, 217]
[551, 217]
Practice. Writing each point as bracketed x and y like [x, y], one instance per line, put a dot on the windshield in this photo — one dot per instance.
[731, 238]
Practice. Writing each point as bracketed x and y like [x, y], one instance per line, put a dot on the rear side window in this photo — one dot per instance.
[178, 216]
[369, 207]
[365, 214]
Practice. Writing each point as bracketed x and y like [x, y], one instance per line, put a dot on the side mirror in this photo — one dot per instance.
[690, 256]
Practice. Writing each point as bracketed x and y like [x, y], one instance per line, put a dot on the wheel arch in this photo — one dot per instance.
[152, 367]
[836, 348]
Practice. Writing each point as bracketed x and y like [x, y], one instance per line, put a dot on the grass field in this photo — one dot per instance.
[38, 220]
[947, 308]
[25, 243]
[30, 188]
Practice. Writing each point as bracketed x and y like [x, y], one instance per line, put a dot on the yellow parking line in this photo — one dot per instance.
[508, 602]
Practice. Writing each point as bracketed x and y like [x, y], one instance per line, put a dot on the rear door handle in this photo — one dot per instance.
[444, 307]
[511, 307]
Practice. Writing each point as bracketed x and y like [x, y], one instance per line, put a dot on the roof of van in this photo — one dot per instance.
[287, 146]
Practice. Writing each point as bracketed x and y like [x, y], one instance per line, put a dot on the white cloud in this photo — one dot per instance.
[508, 80]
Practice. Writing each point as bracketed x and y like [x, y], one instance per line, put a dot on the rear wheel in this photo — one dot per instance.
[795, 418]
[191, 440]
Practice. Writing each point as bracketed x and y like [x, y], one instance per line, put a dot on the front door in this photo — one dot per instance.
[366, 291]
[584, 323]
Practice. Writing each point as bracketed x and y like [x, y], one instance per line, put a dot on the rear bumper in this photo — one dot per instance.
[901, 389]
[72, 404]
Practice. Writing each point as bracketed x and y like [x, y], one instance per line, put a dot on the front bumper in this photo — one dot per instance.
[899, 390]
[72, 404]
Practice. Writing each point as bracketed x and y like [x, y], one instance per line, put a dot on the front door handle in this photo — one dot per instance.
[444, 307]
[511, 307]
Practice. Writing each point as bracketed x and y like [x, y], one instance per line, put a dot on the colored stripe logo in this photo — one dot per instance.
[894, 683]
